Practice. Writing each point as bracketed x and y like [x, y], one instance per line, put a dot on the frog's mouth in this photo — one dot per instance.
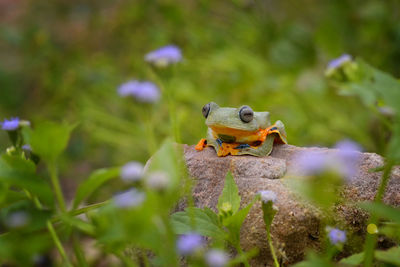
[230, 135]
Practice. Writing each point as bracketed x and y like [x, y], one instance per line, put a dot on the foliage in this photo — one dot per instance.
[92, 62]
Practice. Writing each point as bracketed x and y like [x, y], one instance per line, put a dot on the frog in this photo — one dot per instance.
[240, 131]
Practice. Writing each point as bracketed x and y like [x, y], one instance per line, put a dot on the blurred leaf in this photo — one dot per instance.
[96, 179]
[20, 172]
[204, 222]
[230, 194]
[355, 259]
[391, 256]
[382, 210]
[83, 226]
[169, 159]
[314, 260]
[49, 139]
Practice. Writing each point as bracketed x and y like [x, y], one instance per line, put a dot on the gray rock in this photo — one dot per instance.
[297, 225]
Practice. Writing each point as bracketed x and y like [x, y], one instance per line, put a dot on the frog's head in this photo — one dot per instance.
[241, 119]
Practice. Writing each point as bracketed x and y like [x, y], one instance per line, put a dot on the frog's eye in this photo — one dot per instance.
[206, 110]
[246, 114]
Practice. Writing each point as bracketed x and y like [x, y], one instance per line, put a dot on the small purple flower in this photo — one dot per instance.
[217, 258]
[129, 199]
[311, 162]
[267, 195]
[146, 92]
[337, 236]
[338, 62]
[189, 243]
[164, 56]
[10, 125]
[132, 171]
[128, 88]
[348, 156]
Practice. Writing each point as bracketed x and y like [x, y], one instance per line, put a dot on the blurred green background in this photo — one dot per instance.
[63, 60]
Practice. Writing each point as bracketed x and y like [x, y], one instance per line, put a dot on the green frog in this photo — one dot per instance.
[240, 131]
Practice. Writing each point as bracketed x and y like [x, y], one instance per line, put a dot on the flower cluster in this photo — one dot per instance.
[145, 92]
[10, 125]
[164, 56]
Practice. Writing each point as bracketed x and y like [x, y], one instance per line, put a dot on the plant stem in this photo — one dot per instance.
[83, 210]
[370, 240]
[245, 261]
[58, 244]
[56, 185]
[78, 251]
[271, 247]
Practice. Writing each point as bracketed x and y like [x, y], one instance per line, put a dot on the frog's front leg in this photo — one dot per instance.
[263, 150]
[214, 142]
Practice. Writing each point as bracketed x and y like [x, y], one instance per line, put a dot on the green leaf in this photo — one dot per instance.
[201, 221]
[234, 222]
[19, 172]
[355, 259]
[230, 194]
[49, 139]
[83, 226]
[391, 256]
[382, 210]
[168, 159]
[96, 179]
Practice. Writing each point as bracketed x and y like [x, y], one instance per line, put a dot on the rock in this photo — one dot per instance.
[297, 225]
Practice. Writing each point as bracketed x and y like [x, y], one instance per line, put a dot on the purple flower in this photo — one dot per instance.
[217, 258]
[336, 236]
[338, 62]
[128, 88]
[10, 125]
[164, 56]
[189, 243]
[132, 171]
[129, 199]
[311, 162]
[348, 156]
[146, 92]
[267, 195]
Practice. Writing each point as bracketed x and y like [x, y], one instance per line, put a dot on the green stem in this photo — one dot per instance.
[83, 210]
[58, 244]
[56, 185]
[371, 239]
[78, 251]
[271, 247]
[240, 251]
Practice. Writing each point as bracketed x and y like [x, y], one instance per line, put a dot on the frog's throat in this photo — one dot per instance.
[231, 135]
